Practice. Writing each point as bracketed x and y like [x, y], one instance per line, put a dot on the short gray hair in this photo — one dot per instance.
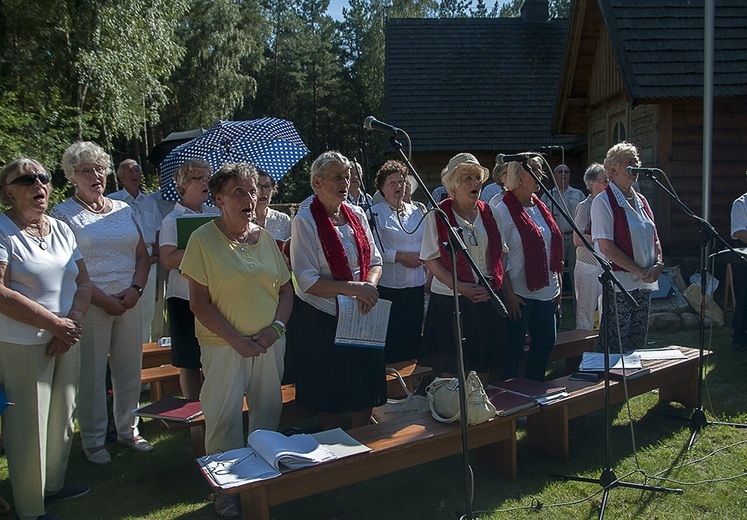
[83, 152]
[592, 173]
[229, 172]
[320, 164]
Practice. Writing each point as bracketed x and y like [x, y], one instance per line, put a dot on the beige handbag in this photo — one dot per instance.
[443, 398]
[396, 408]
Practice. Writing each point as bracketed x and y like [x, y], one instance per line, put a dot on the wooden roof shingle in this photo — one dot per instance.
[474, 83]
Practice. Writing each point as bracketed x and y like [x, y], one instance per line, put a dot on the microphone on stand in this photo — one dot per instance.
[647, 172]
[371, 123]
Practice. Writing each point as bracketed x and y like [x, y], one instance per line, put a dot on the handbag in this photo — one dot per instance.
[443, 399]
[395, 408]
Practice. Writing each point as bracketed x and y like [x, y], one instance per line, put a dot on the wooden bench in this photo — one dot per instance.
[292, 411]
[155, 356]
[570, 346]
[677, 380]
[395, 445]
[159, 376]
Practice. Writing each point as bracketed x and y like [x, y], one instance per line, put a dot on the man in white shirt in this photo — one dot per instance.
[739, 232]
[572, 197]
[149, 219]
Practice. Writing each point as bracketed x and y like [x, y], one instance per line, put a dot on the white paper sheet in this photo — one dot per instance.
[357, 330]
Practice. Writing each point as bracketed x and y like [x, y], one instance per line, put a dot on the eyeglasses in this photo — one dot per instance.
[265, 187]
[93, 170]
[471, 237]
[203, 180]
[30, 178]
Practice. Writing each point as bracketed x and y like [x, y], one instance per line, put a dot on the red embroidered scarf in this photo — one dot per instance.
[495, 245]
[535, 254]
[621, 230]
[332, 247]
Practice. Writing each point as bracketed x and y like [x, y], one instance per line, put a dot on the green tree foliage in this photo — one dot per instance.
[224, 43]
[108, 60]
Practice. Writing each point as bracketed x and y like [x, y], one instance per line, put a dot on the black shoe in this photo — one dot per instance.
[68, 492]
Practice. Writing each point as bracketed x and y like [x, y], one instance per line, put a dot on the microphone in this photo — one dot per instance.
[371, 123]
[518, 157]
[648, 172]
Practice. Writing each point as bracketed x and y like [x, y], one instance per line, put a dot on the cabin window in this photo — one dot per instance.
[618, 132]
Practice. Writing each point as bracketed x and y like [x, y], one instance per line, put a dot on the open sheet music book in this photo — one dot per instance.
[270, 453]
[594, 361]
[357, 330]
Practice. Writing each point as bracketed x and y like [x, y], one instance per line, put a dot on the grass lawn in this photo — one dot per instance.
[713, 474]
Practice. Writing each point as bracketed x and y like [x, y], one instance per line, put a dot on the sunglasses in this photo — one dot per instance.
[30, 178]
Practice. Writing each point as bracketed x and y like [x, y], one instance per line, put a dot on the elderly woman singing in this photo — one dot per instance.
[240, 293]
[624, 232]
[534, 265]
[333, 252]
[118, 262]
[44, 296]
[483, 328]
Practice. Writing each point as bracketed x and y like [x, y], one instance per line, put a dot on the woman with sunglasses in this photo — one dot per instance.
[482, 327]
[44, 296]
[624, 232]
[118, 262]
[535, 265]
[586, 273]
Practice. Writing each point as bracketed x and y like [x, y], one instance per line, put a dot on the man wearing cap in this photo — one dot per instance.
[572, 197]
[149, 219]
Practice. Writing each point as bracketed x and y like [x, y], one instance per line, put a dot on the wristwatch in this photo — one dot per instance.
[138, 289]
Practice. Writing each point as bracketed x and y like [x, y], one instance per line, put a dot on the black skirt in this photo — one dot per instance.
[330, 378]
[483, 329]
[185, 349]
[405, 322]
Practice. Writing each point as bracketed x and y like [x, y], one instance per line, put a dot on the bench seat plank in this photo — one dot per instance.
[396, 445]
[677, 380]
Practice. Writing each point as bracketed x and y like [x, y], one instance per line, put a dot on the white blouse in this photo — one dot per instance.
[309, 263]
[46, 276]
[515, 258]
[278, 224]
[107, 240]
[642, 233]
[391, 237]
[430, 250]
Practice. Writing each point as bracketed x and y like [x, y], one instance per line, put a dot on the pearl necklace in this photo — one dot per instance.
[89, 207]
[336, 217]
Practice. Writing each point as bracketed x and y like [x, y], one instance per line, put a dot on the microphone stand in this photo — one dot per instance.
[456, 245]
[366, 204]
[608, 479]
[707, 233]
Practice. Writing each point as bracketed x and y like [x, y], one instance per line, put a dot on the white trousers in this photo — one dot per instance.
[38, 430]
[148, 303]
[588, 291]
[228, 377]
[116, 340]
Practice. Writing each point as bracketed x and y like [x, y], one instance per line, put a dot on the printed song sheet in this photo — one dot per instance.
[357, 330]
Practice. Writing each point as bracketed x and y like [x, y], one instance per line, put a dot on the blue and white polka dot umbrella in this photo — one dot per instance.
[270, 144]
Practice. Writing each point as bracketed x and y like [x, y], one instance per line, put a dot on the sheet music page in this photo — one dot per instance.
[357, 330]
[594, 361]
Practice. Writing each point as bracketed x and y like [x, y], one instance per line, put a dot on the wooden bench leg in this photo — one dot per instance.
[197, 435]
[156, 391]
[547, 432]
[255, 505]
[682, 391]
[501, 456]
